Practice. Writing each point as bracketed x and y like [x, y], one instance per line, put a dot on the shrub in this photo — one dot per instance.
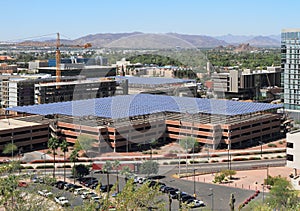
[67, 166]
[225, 160]
[280, 142]
[219, 178]
[254, 158]
[214, 156]
[165, 163]
[27, 167]
[46, 166]
[266, 158]
[214, 161]
[239, 159]
[173, 162]
[182, 162]
[279, 156]
[272, 145]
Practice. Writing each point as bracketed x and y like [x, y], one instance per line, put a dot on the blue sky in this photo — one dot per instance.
[21, 19]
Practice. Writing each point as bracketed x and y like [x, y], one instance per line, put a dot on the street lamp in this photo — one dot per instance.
[43, 156]
[212, 198]
[229, 147]
[194, 182]
[261, 144]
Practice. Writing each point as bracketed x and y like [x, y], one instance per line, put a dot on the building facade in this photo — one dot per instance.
[26, 135]
[245, 84]
[290, 64]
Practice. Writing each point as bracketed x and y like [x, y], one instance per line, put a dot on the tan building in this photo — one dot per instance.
[125, 122]
[245, 84]
[24, 134]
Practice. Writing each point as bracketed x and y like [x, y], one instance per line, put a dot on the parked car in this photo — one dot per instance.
[195, 203]
[184, 198]
[78, 191]
[74, 187]
[63, 201]
[105, 188]
[45, 193]
[61, 185]
[22, 184]
[84, 194]
[94, 185]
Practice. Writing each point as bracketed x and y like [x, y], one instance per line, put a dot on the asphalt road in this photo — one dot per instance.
[215, 196]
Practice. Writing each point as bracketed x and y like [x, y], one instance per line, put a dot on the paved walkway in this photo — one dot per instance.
[251, 180]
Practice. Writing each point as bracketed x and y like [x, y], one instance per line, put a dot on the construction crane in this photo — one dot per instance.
[57, 56]
[58, 71]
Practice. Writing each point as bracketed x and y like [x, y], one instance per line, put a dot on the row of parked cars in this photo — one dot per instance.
[173, 193]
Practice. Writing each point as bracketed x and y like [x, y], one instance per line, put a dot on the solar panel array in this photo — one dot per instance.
[134, 105]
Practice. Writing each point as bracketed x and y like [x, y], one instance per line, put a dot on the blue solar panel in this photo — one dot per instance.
[141, 104]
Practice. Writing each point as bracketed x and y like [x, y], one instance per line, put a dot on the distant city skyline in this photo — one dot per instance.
[23, 19]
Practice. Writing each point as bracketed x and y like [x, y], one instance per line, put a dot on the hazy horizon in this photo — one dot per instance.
[23, 19]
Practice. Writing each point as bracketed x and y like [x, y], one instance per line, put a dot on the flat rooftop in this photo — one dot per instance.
[154, 80]
[6, 124]
[125, 106]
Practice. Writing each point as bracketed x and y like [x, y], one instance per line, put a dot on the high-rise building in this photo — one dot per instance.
[290, 63]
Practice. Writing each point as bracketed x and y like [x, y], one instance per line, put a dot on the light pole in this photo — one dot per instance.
[43, 156]
[261, 144]
[194, 182]
[212, 198]
[229, 147]
[127, 144]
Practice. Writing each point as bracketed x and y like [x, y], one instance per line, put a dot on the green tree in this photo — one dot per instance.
[107, 167]
[282, 195]
[74, 158]
[228, 172]
[152, 143]
[64, 148]
[115, 166]
[219, 178]
[126, 171]
[188, 143]
[149, 167]
[84, 142]
[80, 170]
[9, 148]
[53, 144]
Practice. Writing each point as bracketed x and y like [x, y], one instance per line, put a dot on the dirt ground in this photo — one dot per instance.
[250, 179]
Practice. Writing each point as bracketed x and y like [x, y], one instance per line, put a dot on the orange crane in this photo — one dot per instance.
[58, 71]
[58, 45]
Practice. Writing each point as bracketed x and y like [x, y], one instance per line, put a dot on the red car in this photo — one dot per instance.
[22, 184]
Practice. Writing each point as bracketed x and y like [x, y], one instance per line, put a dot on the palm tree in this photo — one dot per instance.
[53, 144]
[74, 158]
[115, 166]
[64, 148]
[126, 171]
[107, 167]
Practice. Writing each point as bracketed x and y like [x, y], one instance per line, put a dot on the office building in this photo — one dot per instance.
[290, 63]
[247, 84]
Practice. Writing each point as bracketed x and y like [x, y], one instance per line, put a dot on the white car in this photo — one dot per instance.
[79, 191]
[45, 193]
[63, 201]
[197, 203]
[85, 194]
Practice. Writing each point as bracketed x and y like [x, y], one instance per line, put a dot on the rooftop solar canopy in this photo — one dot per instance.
[154, 80]
[134, 105]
